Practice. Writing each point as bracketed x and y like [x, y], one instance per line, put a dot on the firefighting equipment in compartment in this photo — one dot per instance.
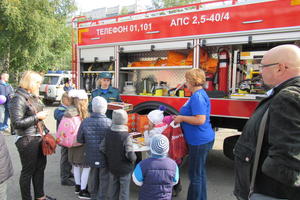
[252, 84]
[94, 81]
[147, 85]
[203, 55]
[157, 89]
[208, 64]
[209, 82]
[161, 62]
[189, 58]
[89, 82]
[176, 91]
[181, 93]
[175, 58]
[86, 81]
[223, 70]
[173, 91]
[129, 88]
[165, 88]
[141, 64]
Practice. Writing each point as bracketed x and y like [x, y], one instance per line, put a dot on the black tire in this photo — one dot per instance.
[145, 108]
[47, 102]
[228, 146]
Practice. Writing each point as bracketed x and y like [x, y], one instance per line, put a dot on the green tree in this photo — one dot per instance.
[34, 34]
[171, 3]
[124, 11]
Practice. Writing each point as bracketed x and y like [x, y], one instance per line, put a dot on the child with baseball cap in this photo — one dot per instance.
[158, 174]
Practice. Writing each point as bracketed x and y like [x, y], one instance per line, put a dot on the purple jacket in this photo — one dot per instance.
[158, 175]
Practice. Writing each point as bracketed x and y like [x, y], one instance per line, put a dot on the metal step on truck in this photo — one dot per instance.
[148, 54]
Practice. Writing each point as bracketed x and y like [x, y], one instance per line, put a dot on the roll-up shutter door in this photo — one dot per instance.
[104, 54]
[225, 41]
[157, 46]
[276, 37]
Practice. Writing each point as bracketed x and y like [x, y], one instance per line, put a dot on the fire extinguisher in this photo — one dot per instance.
[209, 82]
[223, 70]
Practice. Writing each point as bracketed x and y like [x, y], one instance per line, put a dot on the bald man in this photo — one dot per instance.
[278, 173]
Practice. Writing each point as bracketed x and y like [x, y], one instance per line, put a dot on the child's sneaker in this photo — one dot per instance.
[84, 194]
[77, 189]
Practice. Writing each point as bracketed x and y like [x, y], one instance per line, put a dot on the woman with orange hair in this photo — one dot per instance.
[195, 121]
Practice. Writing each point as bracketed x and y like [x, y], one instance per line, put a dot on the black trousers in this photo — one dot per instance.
[33, 165]
[65, 166]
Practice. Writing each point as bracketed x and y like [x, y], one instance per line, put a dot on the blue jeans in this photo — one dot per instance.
[4, 125]
[197, 171]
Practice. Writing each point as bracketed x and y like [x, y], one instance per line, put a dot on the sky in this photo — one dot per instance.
[87, 5]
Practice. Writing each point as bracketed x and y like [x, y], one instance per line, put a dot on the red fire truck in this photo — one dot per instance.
[149, 52]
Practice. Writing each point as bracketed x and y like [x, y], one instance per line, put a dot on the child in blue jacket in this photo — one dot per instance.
[158, 174]
[65, 166]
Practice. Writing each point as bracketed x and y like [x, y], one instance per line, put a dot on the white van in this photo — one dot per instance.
[52, 88]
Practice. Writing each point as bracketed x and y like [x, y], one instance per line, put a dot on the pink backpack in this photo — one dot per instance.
[66, 134]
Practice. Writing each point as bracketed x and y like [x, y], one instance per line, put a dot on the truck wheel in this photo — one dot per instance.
[145, 108]
[228, 146]
[47, 102]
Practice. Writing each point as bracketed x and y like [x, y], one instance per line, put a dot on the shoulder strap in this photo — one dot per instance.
[258, 149]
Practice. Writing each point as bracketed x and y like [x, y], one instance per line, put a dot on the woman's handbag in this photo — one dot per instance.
[48, 141]
[252, 195]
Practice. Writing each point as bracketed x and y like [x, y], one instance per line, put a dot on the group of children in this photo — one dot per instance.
[103, 157]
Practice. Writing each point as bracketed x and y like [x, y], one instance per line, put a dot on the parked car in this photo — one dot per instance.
[52, 88]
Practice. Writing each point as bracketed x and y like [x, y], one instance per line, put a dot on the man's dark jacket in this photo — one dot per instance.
[278, 173]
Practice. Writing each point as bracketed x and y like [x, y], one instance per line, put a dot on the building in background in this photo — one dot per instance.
[104, 12]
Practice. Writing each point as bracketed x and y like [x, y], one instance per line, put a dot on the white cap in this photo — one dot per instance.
[156, 116]
[82, 95]
[72, 93]
[159, 145]
[99, 105]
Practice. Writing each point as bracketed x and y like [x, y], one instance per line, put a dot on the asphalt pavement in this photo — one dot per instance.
[220, 176]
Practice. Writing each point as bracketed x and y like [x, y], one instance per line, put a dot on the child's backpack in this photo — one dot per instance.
[66, 134]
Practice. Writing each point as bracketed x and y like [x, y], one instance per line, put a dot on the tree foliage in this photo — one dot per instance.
[171, 3]
[34, 33]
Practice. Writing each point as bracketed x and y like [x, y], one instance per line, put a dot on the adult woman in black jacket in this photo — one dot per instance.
[26, 110]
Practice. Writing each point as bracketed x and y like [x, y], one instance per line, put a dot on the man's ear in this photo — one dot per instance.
[281, 69]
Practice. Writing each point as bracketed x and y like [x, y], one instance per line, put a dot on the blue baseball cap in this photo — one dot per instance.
[105, 75]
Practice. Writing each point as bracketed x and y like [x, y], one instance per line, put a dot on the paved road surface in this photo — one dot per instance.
[219, 172]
